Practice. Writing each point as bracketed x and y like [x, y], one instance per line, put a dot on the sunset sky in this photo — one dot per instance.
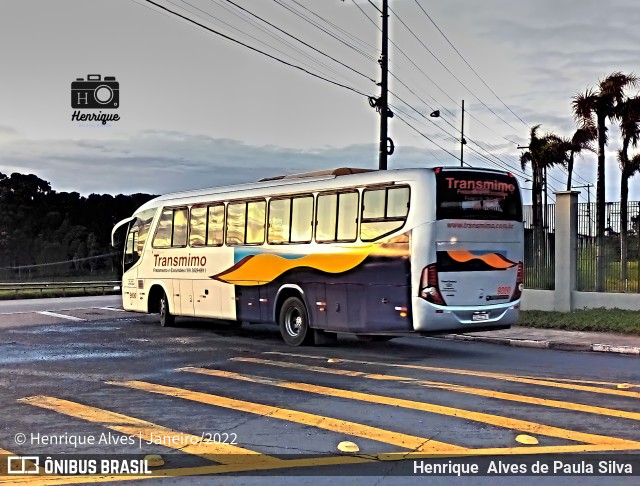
[197, 110]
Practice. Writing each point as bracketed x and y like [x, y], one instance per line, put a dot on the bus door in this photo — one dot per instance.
[186, 297]
[130, 271]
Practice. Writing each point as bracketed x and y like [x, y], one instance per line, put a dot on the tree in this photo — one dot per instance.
[582, 140]
[591, 109]
[543, 153]
[628, 115]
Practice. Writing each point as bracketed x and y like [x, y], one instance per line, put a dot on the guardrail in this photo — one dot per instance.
[61, 286]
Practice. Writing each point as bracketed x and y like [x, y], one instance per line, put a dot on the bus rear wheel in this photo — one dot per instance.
[167, 319]
[294, 323]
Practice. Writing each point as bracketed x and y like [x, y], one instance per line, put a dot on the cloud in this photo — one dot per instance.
[167, 161]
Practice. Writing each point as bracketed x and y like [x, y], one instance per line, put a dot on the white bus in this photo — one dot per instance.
[373, 253]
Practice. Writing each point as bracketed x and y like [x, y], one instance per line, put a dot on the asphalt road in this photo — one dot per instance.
[79, 376]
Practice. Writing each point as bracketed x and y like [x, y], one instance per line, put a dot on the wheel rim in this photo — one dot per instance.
[293, 322]
[163, 309]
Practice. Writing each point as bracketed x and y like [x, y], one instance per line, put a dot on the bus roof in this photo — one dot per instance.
[310, 181]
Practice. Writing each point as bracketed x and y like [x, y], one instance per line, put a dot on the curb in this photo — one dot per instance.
[558, 345]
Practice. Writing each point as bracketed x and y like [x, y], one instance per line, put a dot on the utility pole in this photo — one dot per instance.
[383, 100]
[462, 140]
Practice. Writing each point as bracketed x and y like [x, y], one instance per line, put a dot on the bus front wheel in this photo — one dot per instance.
[294, 323]
[167, 319]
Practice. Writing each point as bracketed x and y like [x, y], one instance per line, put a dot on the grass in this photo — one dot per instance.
[604, 320]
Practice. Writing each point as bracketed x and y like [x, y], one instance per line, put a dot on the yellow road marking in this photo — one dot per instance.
[590, 382]
[327, 423]
[483, 374]
[497, 420]
[578, 407]
[149, 432]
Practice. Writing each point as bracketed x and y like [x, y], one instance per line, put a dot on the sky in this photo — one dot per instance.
[197, 110]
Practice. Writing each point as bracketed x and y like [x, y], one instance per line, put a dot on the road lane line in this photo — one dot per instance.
[451, 387]
[110, 309]
[150, 432]
[335, 425]
[61, 316]
[482, 374]
[497, 420]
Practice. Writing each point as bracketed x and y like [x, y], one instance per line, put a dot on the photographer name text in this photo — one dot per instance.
[99, 117]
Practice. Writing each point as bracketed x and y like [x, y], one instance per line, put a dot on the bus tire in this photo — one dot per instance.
[294, 323]
[167, 319]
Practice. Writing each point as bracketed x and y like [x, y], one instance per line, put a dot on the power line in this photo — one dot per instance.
[449, 71]
[425, 136]
[469, 65]
[315, 24]
[282, 61]
[300, 40]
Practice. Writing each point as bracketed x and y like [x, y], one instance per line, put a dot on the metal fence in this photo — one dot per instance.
[539, 253]
[540, 259]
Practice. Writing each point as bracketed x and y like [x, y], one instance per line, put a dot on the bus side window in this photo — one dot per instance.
[279, 221]
[180, 217]
[347, 216]
[215, 226]
[162, 239]
[255, 222]
[383, 211]
[236, 213]
[198, 226]
[326, 217]
[131, 254]
[301, 219]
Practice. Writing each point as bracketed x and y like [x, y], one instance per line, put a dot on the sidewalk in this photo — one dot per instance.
[529, 337]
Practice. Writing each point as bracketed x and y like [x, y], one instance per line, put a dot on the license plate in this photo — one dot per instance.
[480, 316]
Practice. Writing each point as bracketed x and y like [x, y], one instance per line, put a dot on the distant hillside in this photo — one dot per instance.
[39, 225]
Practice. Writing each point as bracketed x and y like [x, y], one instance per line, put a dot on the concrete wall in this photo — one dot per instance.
[565, 297]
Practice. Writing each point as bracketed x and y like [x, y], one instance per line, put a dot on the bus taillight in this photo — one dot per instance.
[517, 293]
[429, 290]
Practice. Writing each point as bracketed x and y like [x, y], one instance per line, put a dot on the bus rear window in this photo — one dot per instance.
[477, 195]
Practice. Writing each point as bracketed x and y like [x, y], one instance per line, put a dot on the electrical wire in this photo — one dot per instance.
[282, 61]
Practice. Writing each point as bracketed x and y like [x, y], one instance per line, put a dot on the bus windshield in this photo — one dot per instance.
[465, 194]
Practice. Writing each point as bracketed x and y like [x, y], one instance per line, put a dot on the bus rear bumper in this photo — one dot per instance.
[429, 318]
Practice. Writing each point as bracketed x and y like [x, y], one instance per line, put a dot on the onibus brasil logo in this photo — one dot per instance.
[95, 93]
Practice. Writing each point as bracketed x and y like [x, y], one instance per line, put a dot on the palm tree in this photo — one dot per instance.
[580, 141]
[543, 153]
[628, 114]
[592, 109]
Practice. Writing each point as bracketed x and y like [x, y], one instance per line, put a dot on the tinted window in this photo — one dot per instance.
[163, 233]
[255, 222]
[302, 219]
[215, 228]
[180, 217]
[477, 195]
[347, 216]
[198, 224]
[236, 213]
[326, 217]
[279, 220]
[384, 211]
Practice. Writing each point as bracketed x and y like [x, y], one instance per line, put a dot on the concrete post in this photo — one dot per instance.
[566, 253]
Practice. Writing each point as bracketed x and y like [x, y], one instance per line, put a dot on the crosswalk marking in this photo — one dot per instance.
[497, 420]
[451, 387]
[146, 431]
[482, 374]
[342, 426]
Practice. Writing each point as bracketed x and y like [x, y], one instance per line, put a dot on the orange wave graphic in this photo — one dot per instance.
[492, 259]
[264, 268]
